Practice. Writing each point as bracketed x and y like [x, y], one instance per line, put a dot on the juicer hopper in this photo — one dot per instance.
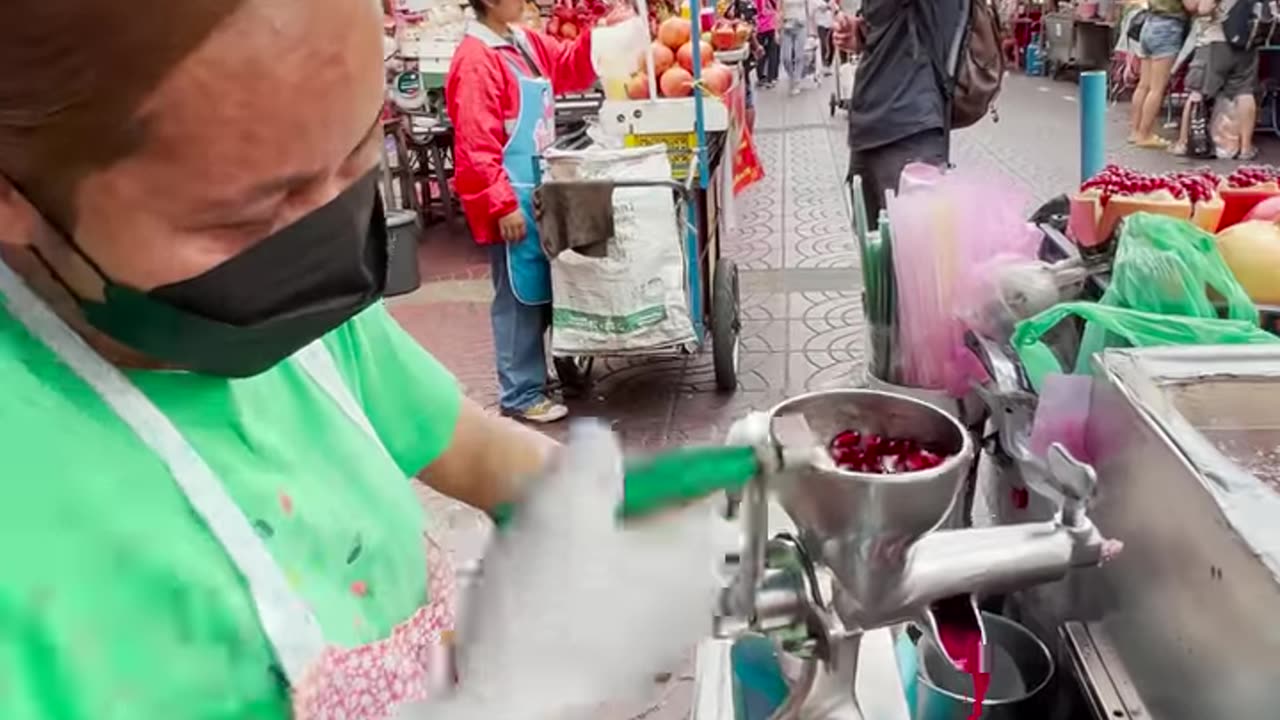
[862, 526]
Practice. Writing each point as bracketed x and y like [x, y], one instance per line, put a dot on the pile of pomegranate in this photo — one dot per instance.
[673, 64]
[730, 34]
[1195, 185]
[1249, 176]
[879, 455]
[570, 18]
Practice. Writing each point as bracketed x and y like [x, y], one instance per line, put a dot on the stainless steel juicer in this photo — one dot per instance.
[869, 552]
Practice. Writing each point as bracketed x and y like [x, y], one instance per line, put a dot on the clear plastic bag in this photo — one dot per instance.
[1224, 128]
[1009, 288]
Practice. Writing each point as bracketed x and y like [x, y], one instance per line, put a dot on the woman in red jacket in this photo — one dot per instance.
[499, 94]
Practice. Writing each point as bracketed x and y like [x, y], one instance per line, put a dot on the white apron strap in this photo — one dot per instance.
[289, 624]
[318, 362]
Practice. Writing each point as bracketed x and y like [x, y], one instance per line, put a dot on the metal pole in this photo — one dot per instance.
[1093, 123]
[699, 118]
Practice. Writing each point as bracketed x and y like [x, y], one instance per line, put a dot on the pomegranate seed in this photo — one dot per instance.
[847, 438]
[931, 460]
[880, 455]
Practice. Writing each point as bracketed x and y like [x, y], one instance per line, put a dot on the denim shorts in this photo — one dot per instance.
[1162, 36]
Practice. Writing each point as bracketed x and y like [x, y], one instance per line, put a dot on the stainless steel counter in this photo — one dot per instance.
[1186, 442]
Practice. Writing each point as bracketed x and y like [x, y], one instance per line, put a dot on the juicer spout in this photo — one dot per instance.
[955, 625]
[997, 560]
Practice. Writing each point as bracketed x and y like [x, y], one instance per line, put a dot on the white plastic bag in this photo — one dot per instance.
[635, 297]
[575, 609]
[848, 76]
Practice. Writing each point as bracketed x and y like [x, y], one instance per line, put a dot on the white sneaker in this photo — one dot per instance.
[543, 412]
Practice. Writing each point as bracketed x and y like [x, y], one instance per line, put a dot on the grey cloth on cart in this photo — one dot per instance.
[574, 216]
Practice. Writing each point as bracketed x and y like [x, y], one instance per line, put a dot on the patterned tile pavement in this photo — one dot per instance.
[802, 326]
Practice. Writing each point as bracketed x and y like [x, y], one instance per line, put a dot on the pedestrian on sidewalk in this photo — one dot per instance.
[824, 16]
[210, 415]
[899, 111]
[499, 92]
[797, 27]
[768, 20]
[1159, 43]
[1222, 73]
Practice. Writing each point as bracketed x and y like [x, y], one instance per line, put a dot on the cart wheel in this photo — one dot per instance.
[833, 103]
[726, 323]
[574, 373]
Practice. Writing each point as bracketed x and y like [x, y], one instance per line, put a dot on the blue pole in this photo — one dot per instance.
[699, 118]
[1093, 123]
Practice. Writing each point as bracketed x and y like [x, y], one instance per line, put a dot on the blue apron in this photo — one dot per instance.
[532, 132]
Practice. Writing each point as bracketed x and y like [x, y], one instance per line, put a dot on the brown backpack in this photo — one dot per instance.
[977, 65]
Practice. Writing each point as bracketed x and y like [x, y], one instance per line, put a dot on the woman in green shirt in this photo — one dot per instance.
[208, 415]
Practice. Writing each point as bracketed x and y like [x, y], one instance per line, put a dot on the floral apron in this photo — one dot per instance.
[328, 682]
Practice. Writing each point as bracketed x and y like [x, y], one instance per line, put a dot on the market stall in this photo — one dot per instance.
[672, 147]
[1111, 363]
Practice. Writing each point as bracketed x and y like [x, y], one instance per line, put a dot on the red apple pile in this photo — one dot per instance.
[880, 455]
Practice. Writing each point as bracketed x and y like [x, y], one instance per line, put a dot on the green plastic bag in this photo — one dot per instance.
[1166, 266]
[1128, 328]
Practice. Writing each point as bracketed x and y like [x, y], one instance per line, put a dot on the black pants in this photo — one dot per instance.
[828, 44]
[772, 56]
[881, 166]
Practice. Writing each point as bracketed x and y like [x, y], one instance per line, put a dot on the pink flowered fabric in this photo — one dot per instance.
[370, 681]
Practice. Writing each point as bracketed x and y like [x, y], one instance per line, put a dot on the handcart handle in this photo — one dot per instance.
[679, 188]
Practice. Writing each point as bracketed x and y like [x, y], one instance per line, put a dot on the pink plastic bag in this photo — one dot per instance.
[1062, 415]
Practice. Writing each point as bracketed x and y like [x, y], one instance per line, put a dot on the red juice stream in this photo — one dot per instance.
[962, 643]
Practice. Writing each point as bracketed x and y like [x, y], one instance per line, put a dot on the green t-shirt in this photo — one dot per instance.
[116, 602]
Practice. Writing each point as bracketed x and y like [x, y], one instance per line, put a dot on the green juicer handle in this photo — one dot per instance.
[674, 478]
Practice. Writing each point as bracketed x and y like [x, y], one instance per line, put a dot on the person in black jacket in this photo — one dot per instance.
[898, 111]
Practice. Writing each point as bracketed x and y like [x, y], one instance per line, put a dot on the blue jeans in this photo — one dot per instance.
[518, 331]
[793, 40]
[1162, 36]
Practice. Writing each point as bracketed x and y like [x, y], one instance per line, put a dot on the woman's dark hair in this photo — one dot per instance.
[73, 74]
[479, 7]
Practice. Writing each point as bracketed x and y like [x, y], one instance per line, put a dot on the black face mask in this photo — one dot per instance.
[261, 306]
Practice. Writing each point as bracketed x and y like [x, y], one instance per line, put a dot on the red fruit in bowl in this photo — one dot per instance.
[847, 438]
[847, 455]
[930, 460]
[875, 444]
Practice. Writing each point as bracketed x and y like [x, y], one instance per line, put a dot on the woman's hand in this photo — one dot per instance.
[512, 227]
[574, 608]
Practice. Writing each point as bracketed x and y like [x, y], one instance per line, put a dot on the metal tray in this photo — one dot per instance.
[1180, 438]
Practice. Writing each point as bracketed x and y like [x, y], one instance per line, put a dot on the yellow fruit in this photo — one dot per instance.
[1252, 251]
